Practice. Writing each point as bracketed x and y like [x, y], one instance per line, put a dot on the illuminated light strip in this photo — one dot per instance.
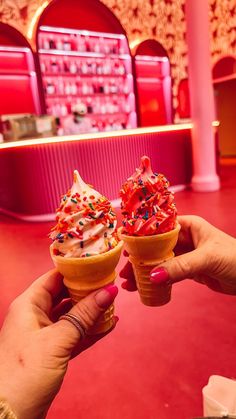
[99, 135]
[34, 19]
[83, 54]
[94, 136]
[81, 32]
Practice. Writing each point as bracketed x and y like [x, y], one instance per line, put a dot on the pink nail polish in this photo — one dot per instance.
[159, 275]
[112, 289]
[105, 297]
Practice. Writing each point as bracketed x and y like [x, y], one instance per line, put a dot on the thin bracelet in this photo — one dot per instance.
[5, 411]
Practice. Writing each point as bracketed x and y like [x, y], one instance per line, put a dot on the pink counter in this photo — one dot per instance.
[35, 173]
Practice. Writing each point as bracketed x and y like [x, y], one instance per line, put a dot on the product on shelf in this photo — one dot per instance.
[90, 68]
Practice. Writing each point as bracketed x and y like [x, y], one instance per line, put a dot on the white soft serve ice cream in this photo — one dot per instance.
[86, 223]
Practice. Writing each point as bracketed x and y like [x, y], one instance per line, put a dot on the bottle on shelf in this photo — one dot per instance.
[66, 44]
[45, 43]
[73, 67]
[66, 66]
[60, 86]
[81, 47]
[50, 87]
[59, 43]
[43, 66]
[52, 44]
[54, 66]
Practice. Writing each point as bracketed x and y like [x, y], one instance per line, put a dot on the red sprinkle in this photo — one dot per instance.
[56, 252]
[67, 209]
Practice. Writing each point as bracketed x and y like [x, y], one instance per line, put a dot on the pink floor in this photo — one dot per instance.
[154, 365]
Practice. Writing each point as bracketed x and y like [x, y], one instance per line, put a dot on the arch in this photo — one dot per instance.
[225, 67]
[151, 47]
[153, 81]
[10, 36]
[89, 15]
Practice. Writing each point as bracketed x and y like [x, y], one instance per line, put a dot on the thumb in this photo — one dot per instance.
[178, 268]
[87, 311]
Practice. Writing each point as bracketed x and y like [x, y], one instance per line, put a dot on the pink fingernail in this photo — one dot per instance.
[105, 297]
[159, 275]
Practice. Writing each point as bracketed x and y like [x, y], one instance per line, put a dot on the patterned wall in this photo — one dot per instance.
[162, 20]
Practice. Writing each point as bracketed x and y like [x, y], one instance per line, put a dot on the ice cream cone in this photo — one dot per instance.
[87, 274]
[145, 252]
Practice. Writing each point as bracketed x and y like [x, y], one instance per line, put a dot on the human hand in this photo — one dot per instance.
[206, 255]
[35, 347]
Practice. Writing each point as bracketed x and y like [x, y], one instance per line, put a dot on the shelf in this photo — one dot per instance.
[64, 53]
[67, 31]
[112, 55]
[85, 75]
[87, 95]
[105, 115]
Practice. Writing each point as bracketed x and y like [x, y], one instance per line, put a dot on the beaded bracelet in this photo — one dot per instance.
[5, 411]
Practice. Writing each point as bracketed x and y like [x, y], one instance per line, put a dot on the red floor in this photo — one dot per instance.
[154, 365]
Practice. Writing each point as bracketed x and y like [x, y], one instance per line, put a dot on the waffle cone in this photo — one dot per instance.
[145, 252]
[85, 275]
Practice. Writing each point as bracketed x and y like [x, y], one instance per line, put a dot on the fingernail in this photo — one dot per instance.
[125, 253]
[159, 275]
[105, 297]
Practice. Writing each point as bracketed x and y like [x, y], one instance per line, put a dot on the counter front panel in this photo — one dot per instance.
[34, 175]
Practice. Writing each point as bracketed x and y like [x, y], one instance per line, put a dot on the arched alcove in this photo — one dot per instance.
[153, 83]
[89, 15]
[225, 67]
[224, 82]
[152, 48]
[85, 58]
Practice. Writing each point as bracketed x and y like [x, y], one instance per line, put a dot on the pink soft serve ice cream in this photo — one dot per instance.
[147, 205]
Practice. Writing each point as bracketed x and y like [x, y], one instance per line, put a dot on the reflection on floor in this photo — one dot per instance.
[154, 365]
